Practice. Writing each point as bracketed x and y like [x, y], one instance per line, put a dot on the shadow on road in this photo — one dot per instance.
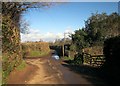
[92, 74]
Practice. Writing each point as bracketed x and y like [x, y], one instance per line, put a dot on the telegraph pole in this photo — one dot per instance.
[63, 49]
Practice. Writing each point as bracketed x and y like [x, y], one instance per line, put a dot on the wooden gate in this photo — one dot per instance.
[93, 60]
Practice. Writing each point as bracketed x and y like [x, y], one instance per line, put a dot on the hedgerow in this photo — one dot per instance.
[11, 47]
[35, 49]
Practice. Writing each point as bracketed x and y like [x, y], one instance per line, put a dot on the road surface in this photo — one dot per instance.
[51, 71]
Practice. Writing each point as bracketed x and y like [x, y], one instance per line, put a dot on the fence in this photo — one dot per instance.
[93, 60]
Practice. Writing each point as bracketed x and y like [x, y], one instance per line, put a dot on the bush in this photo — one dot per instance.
[35, 49]
[11, 47]
[78, 59]
[95, 50]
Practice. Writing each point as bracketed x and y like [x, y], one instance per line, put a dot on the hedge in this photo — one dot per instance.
[11, 47]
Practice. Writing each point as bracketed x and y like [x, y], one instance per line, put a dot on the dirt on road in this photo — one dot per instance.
[46, 74]
[21, 76]
[37, 71]
[48, 70]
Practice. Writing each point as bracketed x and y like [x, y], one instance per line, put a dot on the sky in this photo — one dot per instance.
[51, 23]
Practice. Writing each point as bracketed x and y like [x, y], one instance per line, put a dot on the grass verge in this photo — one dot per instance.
[67, 58]
[21, 66]
[36, 54]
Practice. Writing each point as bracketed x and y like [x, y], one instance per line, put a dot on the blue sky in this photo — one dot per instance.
[64, 17]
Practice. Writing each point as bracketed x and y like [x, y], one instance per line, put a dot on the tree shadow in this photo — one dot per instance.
[90, 73]
[111, 66]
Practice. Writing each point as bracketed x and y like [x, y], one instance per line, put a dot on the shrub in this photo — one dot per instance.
[35, 49]
[95, 50]
[11, 47]
[78, 59]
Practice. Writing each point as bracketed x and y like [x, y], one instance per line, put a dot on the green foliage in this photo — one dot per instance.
[79, 40]
[11, 48]
[78, 59]
[102, 26]
[95, 50]
[35, 49]
[6, 72]
[67, 58]
[21, 66]
[15, 9]
[73, 47]
[97, 28]
[37, 53]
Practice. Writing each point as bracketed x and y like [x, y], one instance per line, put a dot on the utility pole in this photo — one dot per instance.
[63, 49]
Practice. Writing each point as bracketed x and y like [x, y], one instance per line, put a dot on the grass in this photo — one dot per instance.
[35, 49]
[6, 73]
[67, 58]
[36, 54]
[21, 66]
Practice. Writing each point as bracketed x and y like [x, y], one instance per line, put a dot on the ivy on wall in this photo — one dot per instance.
[11, 47]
